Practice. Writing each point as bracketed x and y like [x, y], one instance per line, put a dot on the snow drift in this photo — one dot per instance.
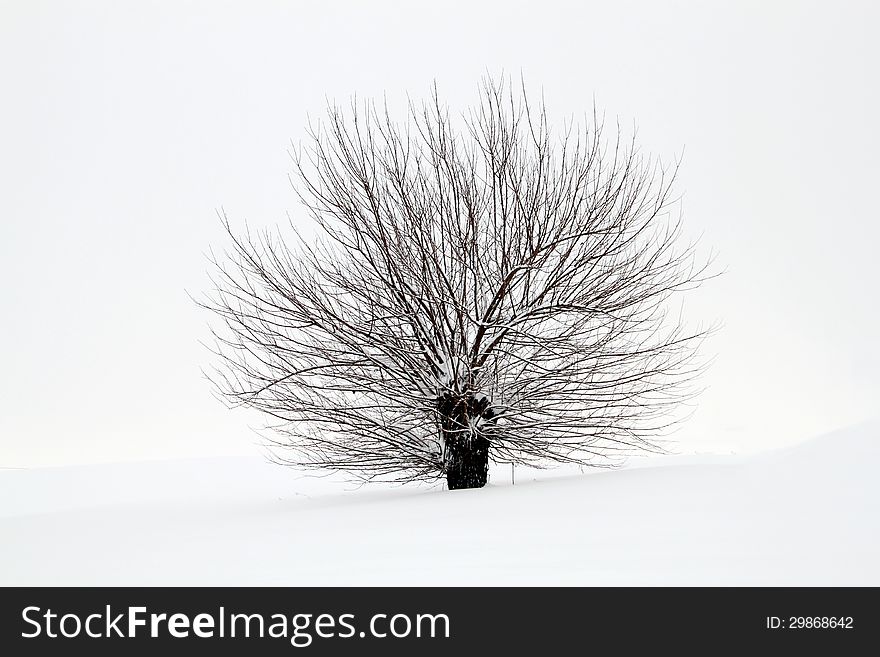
[808, 515]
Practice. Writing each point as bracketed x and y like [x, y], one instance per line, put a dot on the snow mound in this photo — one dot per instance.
[807, 515]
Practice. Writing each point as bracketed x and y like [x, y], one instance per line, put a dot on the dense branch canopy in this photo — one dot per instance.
[481, 255]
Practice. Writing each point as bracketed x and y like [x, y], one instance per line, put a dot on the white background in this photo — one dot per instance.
[125, 125]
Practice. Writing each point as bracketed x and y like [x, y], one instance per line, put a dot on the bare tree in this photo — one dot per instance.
[480, 289]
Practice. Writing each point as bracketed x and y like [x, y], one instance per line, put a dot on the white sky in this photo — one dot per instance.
[125, 125]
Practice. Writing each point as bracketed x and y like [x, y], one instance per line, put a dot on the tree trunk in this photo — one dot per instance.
[467, 461]
[466, 446]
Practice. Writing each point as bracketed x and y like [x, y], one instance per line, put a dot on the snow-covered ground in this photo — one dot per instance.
[808, 515]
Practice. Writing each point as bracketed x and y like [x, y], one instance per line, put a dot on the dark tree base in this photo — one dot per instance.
[468, 463]
[466, 455]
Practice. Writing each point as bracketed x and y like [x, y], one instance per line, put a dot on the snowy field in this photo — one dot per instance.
[807, 515]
